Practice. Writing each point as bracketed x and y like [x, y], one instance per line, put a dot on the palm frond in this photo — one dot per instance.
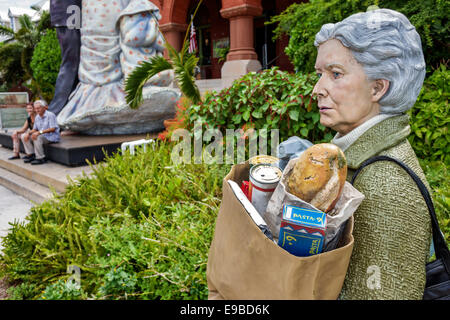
[26, 23]
[185, 51]
[174, 56]
[44, 22]
[5, 31]
[140, 75]
[184, 65]
[185, 76]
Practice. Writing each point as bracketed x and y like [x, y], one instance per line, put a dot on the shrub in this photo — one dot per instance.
[301, 22]
[272, 99]
[138, 228]
[11, 69]
[22, 291]
[438, 177]
[62, 290]
[46, 62]
[430, 118]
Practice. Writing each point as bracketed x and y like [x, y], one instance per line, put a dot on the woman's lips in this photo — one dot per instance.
[323, 109]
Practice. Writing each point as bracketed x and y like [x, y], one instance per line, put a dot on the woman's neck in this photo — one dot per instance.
[345, 141]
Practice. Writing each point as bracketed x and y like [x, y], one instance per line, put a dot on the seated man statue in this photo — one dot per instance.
[116, 36]
[45, 131]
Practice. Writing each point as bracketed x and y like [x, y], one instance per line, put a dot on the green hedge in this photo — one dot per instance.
[438, 176]
[430, 118]
[140, 228]
[271, 99]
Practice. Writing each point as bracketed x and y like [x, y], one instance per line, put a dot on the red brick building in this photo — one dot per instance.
[237, 24]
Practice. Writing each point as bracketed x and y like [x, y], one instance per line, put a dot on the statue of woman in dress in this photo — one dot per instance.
[117, 35]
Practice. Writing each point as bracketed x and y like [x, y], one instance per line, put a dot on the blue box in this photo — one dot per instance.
[300, 243]
[302, 231]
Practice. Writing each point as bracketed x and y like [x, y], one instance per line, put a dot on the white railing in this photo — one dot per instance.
[132, 144]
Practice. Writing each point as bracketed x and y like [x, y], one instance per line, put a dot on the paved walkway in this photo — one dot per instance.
[12, 207]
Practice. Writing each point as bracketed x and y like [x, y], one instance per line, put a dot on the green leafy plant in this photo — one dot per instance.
[25, 39]
[301, 22]
[118, 282]
[430, 118]
[11, 70]
[63, 290]
[438, 177]
[222, 54]
[21, 291]
[272, 99]
[45, 63]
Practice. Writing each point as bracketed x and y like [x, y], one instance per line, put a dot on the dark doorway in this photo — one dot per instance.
[265, 47]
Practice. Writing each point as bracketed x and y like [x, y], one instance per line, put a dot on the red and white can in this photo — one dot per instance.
[263, 181]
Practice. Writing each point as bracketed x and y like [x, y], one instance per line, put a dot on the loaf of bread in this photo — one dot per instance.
[319, 175]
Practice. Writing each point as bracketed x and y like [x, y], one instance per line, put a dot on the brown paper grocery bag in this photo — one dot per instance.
[244, 264]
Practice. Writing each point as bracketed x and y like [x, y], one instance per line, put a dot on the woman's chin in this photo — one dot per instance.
[326, 122]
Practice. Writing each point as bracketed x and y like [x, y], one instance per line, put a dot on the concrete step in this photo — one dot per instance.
[28, 189]
[73, 150]
[16, 175]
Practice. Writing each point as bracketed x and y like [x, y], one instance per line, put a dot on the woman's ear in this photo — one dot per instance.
[380, 87]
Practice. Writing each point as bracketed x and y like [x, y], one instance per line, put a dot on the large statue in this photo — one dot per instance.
[69, 41]
[116, 35]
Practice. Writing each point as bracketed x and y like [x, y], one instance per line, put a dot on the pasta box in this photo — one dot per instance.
[302, 231]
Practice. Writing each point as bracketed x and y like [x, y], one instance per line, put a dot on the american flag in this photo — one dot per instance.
[192, 39]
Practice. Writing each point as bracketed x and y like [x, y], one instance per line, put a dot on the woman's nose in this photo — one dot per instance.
[319, 89]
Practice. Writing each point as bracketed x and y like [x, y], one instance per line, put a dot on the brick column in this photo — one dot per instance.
[174, 34]
[242, 57]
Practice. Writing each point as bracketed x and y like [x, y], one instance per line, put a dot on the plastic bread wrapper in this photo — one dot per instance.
[251, 210]
[347, 204]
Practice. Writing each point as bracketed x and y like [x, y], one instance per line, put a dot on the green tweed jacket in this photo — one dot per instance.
[392, 228]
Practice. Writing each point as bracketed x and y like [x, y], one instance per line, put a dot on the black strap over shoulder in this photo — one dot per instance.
[440, 245]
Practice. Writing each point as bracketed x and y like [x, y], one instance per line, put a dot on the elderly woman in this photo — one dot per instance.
[27, 126]
[371, 69]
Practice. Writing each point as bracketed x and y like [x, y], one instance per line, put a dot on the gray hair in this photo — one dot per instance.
[41, 102]
[388, 47]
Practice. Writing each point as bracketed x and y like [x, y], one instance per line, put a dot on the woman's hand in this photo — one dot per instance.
[35, 135]
[26, 137]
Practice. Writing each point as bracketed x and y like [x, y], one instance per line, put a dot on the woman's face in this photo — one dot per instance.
[345, 96]
[30, 109]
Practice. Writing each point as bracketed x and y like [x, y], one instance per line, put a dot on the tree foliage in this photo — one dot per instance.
[45, 63]
[20, 47]
[301, 22]
[11, 65]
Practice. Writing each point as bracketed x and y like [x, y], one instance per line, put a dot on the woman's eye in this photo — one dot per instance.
[319, 75]
[336, 74]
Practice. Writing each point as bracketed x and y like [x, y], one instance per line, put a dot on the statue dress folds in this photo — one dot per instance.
[116, 35]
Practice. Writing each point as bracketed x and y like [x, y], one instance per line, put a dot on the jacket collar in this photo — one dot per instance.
[382, 136]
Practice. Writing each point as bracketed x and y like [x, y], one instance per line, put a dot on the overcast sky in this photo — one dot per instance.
[5, 4]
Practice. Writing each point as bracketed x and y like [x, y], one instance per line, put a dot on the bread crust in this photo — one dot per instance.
[319, 175]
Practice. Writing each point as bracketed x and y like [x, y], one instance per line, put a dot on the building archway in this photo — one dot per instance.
[214, 22]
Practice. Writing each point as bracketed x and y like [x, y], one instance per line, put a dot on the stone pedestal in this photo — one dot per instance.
[242, 57]
[235, 69]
